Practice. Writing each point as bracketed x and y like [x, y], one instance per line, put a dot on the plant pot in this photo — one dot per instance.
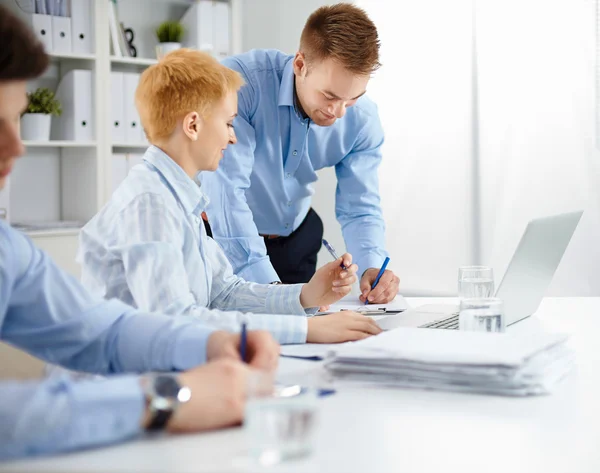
[163, 49]
[35, 127]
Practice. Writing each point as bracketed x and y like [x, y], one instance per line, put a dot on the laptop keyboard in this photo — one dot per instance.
[451, 323]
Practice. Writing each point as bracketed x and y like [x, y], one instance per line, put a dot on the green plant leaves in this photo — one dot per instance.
[42, 100]
[170, 32]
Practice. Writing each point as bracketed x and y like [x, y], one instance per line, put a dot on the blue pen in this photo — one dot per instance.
[243, 342]
[332, 252]
[385, 263]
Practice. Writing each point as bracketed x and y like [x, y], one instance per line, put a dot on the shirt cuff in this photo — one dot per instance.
[371, 260]
[261, 272]
[284, 299]
[191, 345]
[106, 411]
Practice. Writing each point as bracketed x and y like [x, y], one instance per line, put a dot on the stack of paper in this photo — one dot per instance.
[494, 363]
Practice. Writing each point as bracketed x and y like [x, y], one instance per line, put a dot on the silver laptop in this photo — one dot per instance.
[524, 284]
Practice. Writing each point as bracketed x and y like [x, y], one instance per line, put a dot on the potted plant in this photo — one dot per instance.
[35, 121]
[169, 34]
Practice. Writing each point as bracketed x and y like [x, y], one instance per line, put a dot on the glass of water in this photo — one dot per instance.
[280, 422]
[475, 282]
[481, 315]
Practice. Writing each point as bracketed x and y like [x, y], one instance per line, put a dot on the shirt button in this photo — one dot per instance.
[288, 175]
[287, 225]
[289, 204]
[295, 153]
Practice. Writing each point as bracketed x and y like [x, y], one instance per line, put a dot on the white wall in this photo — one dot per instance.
[480, 140]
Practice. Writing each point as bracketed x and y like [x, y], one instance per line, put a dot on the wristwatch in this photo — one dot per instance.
[164, 394]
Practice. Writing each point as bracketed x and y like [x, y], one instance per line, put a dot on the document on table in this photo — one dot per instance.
[351, 302]
[493, 363]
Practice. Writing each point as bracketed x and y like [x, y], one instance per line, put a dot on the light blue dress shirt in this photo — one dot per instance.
[148, 247]
[50, 315]
[264, 183]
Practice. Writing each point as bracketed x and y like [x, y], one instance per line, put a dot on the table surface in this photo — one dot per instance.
[400, 430]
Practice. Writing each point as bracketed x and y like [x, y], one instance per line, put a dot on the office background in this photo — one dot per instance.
[490, 117]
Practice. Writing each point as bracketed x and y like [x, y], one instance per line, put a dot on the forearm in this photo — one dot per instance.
[59, 415]
[284, 328]
[365, 240]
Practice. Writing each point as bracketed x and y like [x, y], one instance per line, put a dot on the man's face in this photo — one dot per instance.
[13, 100]
[325, 89]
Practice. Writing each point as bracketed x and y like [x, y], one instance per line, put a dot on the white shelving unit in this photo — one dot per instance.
[58, 181]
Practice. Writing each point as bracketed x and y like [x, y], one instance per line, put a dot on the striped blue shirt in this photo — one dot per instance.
[148, 247]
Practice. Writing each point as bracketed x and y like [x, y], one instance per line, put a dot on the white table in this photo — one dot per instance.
[393, 430]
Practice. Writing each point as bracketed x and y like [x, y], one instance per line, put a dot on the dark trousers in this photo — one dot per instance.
[295, 257]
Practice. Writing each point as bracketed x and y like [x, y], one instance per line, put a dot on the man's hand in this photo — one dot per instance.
[218, 397]
[330, 283]
[384, 292]
[262, 351]
[340, 327]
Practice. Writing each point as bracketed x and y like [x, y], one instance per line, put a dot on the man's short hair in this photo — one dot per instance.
[22, 55]
[183, 81]
[344, 33]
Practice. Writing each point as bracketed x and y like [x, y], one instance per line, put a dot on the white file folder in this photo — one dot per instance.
[75, 93]
[61, 35]
[119, 169]
[221, 30]
[198, 24]
[5, 202]
[117, 107]
[82, 31]
[42, 27]
[133, 159]
[132, 120]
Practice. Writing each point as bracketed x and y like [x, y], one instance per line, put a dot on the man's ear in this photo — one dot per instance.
[300, 66]
[192, 123]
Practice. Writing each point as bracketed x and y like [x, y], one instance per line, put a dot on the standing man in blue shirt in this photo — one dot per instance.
[296, 115]
[50, 315]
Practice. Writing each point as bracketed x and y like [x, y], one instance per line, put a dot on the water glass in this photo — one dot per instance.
[475, 282]
[481, 315]
[280, 423]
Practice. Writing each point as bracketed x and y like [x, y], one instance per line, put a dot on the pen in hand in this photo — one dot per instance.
[243, 342]
[332, 252]
[381, 271]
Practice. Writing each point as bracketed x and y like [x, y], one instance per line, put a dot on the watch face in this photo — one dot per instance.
[166, 386]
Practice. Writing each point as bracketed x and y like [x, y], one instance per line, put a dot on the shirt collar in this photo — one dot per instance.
[186, 189]
[286, 88]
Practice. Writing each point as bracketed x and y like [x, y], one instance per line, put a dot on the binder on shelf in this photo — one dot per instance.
[119, 169]
[221, 30]
[82, 28]
[117, 108]
[114, 29]
[42, 28]
[75, 93]
[5, 201]
[61, 35]
[133, 125]
[198, 23]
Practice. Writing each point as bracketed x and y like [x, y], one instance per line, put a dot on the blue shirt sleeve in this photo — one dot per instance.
[358, 207]
[49, 314]
[59, 414]
[235, 229]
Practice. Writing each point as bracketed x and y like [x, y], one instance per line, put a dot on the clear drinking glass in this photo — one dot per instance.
[280, 422]
[475, 282]
[482, 315]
